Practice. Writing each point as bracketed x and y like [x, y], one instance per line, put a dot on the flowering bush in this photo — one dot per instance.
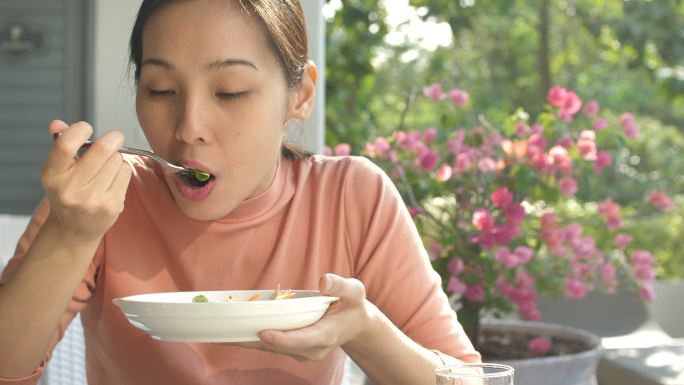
[494, 204]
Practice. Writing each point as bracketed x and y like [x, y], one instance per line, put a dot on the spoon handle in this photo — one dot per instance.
[132, 151]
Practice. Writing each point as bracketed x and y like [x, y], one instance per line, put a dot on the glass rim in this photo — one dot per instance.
[502, 370]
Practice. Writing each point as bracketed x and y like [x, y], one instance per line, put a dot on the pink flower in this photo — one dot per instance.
[458, 97]
[521, 129]
[381, 147]
[536, 144]
[464, 161]
[327, 150]
[434, 91]
[454, 286]
[408, 141]
[611, 213]
[443, 173]
[567, 102]
[626, 118]
[556, 96]
[603, 160]
[587, 145]
[621, 240]
[487, 165]
[482, 219]
[434, 251]
[524, 254]
[629, 126]
[600, 124]
[501, 197]
[537, 128]
[475, 293]
[430, 135]
[573, 233]
[560, 159]
[591, 108]
[608, 277]
[455, 145]
[647, 292]
[574, 289]
[342, 149]
[642, 257]
[539, 346]
[428, 160]
[520, 256]
[659, 200]
[529, 311]
[565, 142]
[571, 104]
[506, 258]
[568, 186]
[548, 219]
[456, 266]
[515, 213]
[523, 280]
[414, 211]
[645, 272]
[632, 130]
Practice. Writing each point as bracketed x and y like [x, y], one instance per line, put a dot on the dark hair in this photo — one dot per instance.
[285, 28]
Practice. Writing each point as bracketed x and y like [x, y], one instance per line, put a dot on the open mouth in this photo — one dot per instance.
[195, 178]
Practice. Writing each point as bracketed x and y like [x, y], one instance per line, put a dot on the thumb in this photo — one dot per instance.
[348, 289]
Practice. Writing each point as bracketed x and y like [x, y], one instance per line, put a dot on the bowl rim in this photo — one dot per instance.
[314, 295]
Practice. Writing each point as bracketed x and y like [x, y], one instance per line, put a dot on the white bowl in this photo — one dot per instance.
[174, 317]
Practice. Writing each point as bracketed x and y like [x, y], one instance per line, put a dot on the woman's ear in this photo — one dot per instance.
[302, 97]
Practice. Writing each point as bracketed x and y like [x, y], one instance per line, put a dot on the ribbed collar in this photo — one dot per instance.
[268, 201]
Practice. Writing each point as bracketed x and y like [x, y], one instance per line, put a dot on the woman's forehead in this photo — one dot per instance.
[204, 31]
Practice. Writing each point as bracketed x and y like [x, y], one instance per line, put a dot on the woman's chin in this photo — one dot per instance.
[200, 203]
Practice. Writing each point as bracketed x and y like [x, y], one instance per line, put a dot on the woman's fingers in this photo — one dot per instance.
[64, 149]
[348, 289]
[57, 126]
[97, 158]
[86, 193]
[120, 183]
[343, 321]
[322, 334]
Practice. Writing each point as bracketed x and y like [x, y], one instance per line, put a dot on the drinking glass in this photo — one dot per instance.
[474, 374]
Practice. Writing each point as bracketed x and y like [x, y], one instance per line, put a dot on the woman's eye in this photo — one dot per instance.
[231, 95]
[162, 92]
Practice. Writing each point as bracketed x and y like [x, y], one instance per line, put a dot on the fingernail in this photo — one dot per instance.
[266, 338]
[328, 282]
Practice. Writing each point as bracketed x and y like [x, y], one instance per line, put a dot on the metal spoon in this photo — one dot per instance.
[199, 174]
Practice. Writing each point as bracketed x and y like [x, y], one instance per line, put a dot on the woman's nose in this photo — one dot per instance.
[192, 125]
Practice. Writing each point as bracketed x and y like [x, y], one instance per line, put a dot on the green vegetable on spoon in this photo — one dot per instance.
[201, 175]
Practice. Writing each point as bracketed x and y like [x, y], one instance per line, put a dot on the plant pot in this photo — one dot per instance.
[666, 309]
[576, 368]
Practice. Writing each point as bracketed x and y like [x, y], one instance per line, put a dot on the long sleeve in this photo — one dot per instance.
[77, 303]
[392, 262]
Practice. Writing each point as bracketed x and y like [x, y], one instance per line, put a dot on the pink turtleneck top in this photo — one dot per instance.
[321, 214]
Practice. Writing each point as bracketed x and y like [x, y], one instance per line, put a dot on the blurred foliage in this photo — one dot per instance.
[627, 54]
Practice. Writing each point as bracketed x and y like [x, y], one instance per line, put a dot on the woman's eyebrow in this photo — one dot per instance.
[157, 62]
[218, 64]
[215, 65]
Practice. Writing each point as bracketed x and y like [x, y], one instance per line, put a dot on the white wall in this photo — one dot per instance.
[112, 90]
[112, 94]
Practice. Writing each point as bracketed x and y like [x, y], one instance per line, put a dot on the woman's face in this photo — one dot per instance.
[212, 95]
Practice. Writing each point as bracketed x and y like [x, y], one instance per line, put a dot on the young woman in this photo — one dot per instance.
[217, 80]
